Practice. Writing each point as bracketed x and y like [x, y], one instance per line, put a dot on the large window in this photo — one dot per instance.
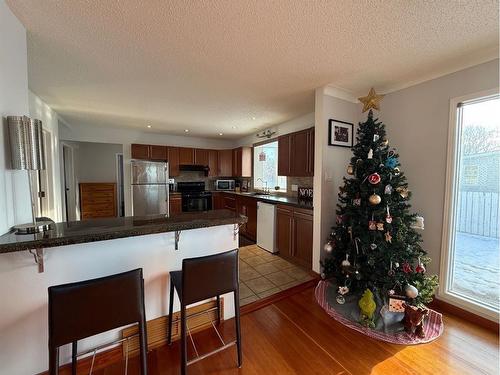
[471, 268]
[265, 168]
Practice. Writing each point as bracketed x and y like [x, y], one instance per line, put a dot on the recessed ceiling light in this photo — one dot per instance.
[149, 126]
[221, 133]
[186, 130]
[253, 118]
[234, 127]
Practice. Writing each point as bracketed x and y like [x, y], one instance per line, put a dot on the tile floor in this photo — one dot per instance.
[263, 274]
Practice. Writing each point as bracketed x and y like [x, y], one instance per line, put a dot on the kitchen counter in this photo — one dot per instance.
[277, 199]
[77, 232]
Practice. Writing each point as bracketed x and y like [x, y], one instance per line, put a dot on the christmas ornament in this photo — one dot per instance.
[403, 192]
[371, 262]
[370, 154]
[372, 224]
[372, 100]
[388, 237]
[396, 264]
[343, 290]
[380, 227]
[350, 169]
[420, 267]
[323, 275]
[356, 201]
[340, 219]
[359, 162]
[345, 262]
[406, 267]
[357, 275]
[388, 217]
[376, 137]
[391, 272]
[340, 299]
[373, 246]
[374, 199]
[391, 292]
[418, 223]
[388, 189]
[397, 172]
[328, 247]
[391, 162]
[411, 291]
[374, 178]
[385, 142]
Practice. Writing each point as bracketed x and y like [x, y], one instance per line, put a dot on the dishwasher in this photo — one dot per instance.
[266, 223]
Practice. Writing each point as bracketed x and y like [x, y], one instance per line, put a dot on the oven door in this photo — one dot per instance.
[194, 204]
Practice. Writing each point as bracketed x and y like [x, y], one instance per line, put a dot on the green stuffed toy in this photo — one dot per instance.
[367, 308]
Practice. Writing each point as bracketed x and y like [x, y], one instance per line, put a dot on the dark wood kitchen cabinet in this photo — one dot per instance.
[173, 161]
[217, 201]
[175, 204]
[294, 232]
[225, 163]
[229, 202]
[248, 207]
[149, 152]
[186, 156]
[213, 163]
[200, 156]
[242, 162]
[296, 154]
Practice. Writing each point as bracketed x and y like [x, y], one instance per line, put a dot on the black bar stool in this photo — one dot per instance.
[86, 308]
[203, 278]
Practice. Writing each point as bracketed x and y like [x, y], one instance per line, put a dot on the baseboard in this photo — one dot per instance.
[447, 308]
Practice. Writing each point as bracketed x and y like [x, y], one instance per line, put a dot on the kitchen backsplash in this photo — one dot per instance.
[186, 176]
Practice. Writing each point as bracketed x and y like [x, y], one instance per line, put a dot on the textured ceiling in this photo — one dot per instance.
[212, 66]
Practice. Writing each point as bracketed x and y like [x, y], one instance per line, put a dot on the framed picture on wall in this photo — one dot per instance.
[340, 133]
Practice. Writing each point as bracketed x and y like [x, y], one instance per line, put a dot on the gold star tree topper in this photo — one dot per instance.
[372, 100]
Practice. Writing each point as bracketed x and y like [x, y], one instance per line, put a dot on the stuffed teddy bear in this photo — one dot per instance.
[414, 319]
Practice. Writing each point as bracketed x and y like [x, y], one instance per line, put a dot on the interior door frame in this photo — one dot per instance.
[451, 194]
[71, 183]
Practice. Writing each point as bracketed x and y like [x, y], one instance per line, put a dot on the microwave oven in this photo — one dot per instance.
[227, 185]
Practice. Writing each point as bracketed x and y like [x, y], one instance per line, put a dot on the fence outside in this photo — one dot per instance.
[477, 213]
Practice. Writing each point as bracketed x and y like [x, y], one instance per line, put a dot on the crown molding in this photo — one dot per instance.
[340, 93]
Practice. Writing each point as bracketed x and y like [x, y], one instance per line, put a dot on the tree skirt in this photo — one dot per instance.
[388, 325]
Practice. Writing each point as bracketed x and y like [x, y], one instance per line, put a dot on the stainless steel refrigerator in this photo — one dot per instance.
[149, 188]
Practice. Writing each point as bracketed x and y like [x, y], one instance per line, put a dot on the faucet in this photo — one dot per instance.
[266, 190]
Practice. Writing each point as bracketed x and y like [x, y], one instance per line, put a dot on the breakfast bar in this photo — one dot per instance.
[76, 251]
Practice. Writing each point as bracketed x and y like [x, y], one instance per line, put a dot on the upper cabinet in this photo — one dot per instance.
[213, 157]
[296, 154]
[242, 162]
[200, 156]
[225, 163]
[149, 152]
[186, 156]
[173, 161]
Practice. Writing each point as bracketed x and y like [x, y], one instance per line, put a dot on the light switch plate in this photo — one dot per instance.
[295, 187]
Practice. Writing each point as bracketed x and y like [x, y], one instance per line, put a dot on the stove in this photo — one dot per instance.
[194, 196]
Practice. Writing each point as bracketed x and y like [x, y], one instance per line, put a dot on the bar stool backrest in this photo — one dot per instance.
[209, 276]
[86, 308]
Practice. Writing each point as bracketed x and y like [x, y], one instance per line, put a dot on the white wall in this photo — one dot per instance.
[50, 122]
[14, 190]
[417, 120]
[330, 164]
[296, 124]
[97, 161]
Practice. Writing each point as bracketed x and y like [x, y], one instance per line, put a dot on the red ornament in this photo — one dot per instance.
[420, 268]
[406, 267]
[374, 178]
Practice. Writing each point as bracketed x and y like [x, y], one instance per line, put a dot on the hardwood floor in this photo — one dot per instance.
[295, 336]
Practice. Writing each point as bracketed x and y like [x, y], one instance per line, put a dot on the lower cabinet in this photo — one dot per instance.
[248, 207]
[294, 232]
[175, 204]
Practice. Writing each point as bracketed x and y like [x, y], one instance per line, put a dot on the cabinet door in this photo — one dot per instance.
[200, 156]
[140, 151]
[225, 163]
[299, 154]
[284, 224]
[242, 209]
[251, 226]
[217, 202]
[310, 150]
[302, 238]
[173, 161]
[237, 153]
[186, 156]
[175, 204]
[229, 202]
[158, 153]
[284, 155]
[213, 163]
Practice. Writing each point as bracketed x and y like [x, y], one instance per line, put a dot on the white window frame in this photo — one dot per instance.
[447, 243]
[254, 177]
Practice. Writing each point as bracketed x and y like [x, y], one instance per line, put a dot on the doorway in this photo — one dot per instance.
[69, 194]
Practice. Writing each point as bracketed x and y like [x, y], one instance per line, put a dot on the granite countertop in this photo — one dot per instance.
[76, 232]
[277, 199]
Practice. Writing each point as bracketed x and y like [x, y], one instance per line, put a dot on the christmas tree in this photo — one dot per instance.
[376, 244]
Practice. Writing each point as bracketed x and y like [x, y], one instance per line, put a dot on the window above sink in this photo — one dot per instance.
[265, 168]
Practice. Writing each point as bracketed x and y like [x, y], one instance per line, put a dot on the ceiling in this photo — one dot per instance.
[235, 66]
